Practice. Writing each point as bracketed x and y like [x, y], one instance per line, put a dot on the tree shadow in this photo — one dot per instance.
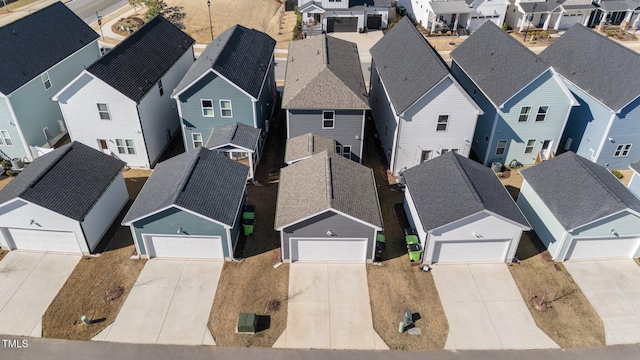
[175, 15]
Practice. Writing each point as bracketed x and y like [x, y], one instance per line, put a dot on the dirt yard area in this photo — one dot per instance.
[85, 292]
[4, 180]
[396, 286]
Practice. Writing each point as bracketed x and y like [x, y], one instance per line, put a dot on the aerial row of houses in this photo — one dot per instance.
[497, 100]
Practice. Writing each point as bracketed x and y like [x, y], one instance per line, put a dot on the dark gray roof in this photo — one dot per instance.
[407, 64]
[135, 65]
[69, 180]
[31, 45]
[327, 181]
[236, 134]
[578, 191]
[200, 180]
[497, 63]
[619, 5]
[573, 57]
[239, 54]
[451, 187]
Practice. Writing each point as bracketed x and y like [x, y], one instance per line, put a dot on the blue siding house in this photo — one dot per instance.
[190, 207]
[40, 53]
[606, 124]
[233, 80]
[526, 105]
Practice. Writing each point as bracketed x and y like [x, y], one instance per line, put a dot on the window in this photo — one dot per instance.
[542, 113]
[328, 119]
[225, 109]
[125, 146]
[524, 114]
[346, 151]
[46, 81]
[502, 145]
[103, 110]
[443, 121]
[197, 140]
[207, 107]
[531, 144]
[426, 155]
[338, 149]
[622, 150]
[160, 89]
[5, 138]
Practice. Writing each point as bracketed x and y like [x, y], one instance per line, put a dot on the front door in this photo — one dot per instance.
[546, 148]
[104, 146]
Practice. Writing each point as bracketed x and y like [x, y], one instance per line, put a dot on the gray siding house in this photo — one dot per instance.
[606, 124]
[584, 214]
[419, 109]
[190, 207]
[325, 93]
[40, 53]
[233, 80]
[526, 105]
[327, 210]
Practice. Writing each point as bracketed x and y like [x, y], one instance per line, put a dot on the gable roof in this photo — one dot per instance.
[408, 65]
[324, 72]
[69, 180]
[236, 134]
[451, 187]
[31, 45]
[306, 145]
[327, 181]
[200, 180]
[239, 54]
[578, 191]
[135, 65]
[619, 5]
[573, 57]
[497, 63]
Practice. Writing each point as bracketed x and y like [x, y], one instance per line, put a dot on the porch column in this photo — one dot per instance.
[586, 18]
[547, 21]
[627, 19]
[434, 18]
[251, 171]
[524, 18]
[557, 24]
[635, 22]
[604, 19]
[455, 23]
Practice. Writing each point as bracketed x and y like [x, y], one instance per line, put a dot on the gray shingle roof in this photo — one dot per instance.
[539, 6]
[304, 146]
[451, 187]
[199, 180]
[497, 63]
[578, 191]
[407, 64]
[450, 7]
[619, 5]
[236, 134]
[324, 72]
[135, 65]
[69, 180]
[239, 54]
[573, 57]
[327, 181]
[31, 45]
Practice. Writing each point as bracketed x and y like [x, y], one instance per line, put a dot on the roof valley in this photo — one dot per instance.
[467, 181]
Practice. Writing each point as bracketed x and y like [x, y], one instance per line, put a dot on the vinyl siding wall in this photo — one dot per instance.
[212, 87]
[382, 112]
[237, 226]
[625, 130]
[104, 212]
[266, 102]
[347, 125]
[414, 217]
[634, 184]
[6, 119]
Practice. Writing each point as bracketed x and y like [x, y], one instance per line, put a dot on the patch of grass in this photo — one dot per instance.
[571, 321]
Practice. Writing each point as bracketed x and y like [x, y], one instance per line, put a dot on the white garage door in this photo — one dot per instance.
[346, 250]
[184, 247]
[476, 22]
[568, 20]
[45, 240]
[470, 251]
[602, 248]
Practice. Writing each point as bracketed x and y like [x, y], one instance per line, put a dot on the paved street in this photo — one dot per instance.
[86, 9]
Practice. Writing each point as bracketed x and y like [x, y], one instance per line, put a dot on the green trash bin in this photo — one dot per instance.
[248, 215]
[247, 226]
[247, 323]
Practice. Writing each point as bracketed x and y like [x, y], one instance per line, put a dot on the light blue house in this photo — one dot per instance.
[606, 125]
[634, 183]
[585, 213]
[40, 53]
[233, 80]
[526, 105]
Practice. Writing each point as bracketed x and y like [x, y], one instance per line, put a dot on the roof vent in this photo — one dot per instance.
[14, 32]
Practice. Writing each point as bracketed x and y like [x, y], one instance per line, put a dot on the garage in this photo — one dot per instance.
[477, 21]
[44, 240]
[581, 249]
[342, 24]
[569, 19]
[470, 251]
[374, 21]
[184, 247]
[323, 250]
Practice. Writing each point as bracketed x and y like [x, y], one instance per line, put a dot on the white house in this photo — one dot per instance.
[121, 104]
[547, 15]
[437, 15]
[343, 15]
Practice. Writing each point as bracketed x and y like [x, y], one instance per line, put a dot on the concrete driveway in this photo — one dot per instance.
[613, 289]
[28, 283]
[169, 304]
[364, 41]
[329, 308]
[485, 309]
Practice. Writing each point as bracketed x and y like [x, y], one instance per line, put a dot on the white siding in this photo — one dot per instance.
[80, 111]
[414, 219]
[383, 114]
[101, 216]
[19, 214]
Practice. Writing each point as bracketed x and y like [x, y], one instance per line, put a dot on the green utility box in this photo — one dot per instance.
[247, 226]
[247, 323]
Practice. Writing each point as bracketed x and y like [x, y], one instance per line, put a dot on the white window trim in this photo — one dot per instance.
[3, 139]
[125, 147]
[506, 142]
[202, 107]
[333, 120]
[446, 123]
[102, 111]
[343, 152]
[545, 114]
[533, 148]
[528, 115]
[193, 140]
[230, 108]
[45, 77]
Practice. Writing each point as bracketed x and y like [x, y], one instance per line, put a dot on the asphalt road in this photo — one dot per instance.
[86, 9]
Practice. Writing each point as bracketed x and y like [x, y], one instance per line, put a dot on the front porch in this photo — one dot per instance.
[608, 15]
[448, 16]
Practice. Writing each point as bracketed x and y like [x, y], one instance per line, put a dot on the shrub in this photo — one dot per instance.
[296, 29]
[617, 174]
[505, 27]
